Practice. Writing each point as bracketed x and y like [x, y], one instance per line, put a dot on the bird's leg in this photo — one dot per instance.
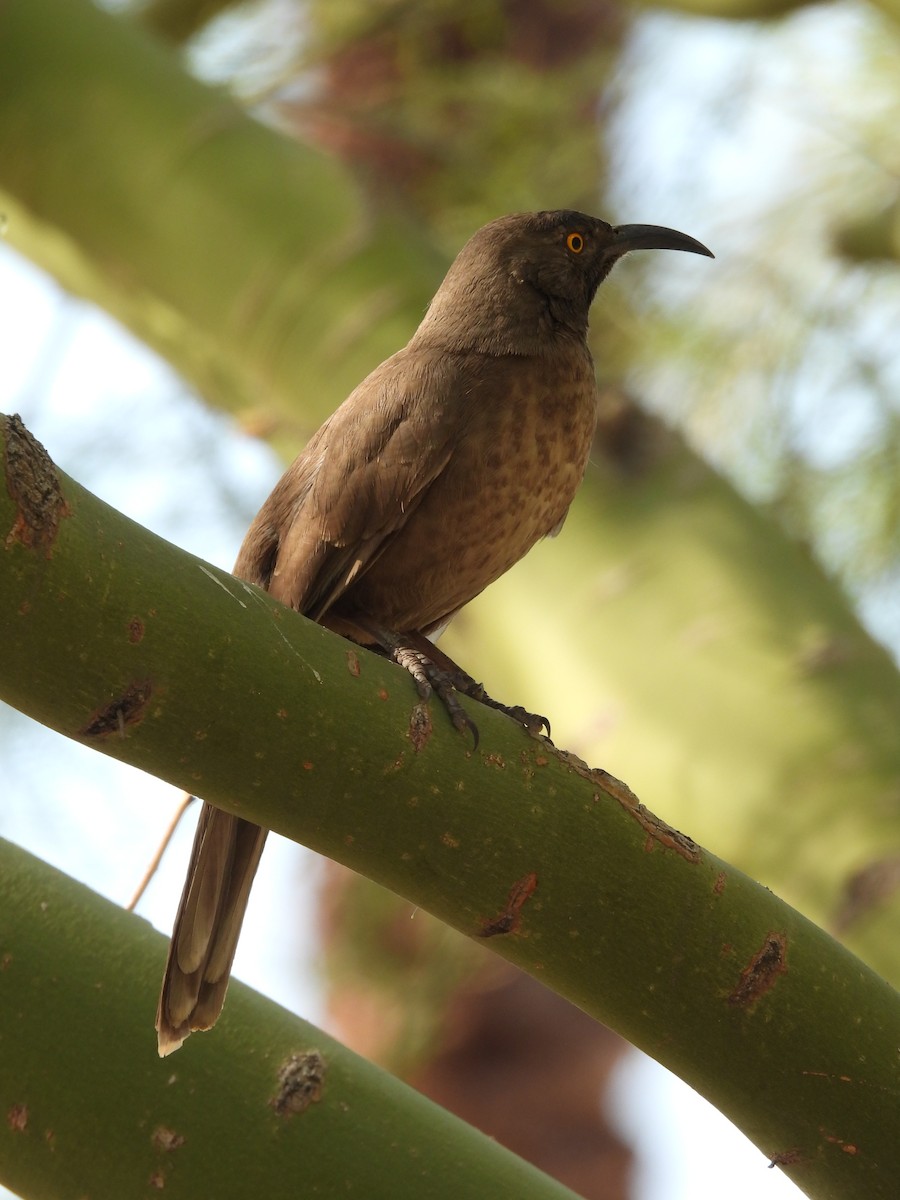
[435, 671]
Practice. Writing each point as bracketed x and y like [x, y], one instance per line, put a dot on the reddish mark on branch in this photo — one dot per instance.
[166, 1139]
[719, 885]
[34, 486]
[847, 1147]
[135, 630]
[785, 1158]
[762, 972]
[127, 709]
[420, 727]
[17, 1118]
[510, 918]
[353, 663]
[658, 831]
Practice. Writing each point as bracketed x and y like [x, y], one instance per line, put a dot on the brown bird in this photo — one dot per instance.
[441, 470]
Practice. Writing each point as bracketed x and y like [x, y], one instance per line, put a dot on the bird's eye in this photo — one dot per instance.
[575, 242]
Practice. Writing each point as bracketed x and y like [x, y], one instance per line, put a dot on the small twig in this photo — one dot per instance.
[186, 801]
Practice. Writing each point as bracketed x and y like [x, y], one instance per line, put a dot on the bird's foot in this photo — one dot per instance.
[436, 672]
[430, 677]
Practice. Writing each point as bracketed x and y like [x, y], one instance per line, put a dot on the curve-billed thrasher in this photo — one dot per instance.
[440, 471]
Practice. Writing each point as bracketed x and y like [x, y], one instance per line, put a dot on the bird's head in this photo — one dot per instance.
[523, 277]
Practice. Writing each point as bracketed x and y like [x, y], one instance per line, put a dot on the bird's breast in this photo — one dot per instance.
[517, 460]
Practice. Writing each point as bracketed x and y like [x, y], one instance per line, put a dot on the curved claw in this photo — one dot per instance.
[534, 723]
[467, 725]
[462, 722]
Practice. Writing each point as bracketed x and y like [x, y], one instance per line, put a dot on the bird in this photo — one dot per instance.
[436, 474]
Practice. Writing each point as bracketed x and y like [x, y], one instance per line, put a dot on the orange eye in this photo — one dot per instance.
[575, 242]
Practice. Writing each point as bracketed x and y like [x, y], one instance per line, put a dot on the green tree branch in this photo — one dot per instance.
[90, 1109]
[116, 638]
[247, 259]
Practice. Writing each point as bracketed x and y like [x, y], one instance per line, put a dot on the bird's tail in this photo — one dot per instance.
[223, 863]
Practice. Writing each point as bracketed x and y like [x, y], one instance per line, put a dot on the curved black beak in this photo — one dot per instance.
[653, 237]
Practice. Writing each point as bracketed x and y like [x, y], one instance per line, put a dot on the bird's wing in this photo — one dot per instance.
[356, 484]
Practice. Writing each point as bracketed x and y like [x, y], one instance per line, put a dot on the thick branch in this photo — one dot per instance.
[115, 638]
[270, 1107]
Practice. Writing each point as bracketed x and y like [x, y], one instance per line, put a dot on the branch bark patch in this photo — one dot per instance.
[762, 972]
[34, 486]
[126, 709]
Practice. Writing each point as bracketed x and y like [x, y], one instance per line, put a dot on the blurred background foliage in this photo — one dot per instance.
[775, 139]
[695, 628]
